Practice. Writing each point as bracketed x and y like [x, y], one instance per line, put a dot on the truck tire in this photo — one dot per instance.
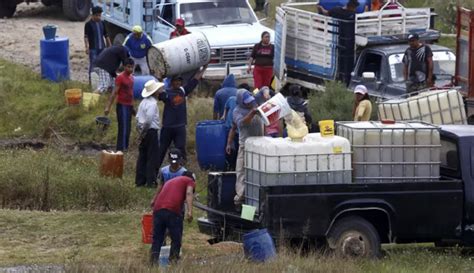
[354, 237]
[77, 10]
[7, 9]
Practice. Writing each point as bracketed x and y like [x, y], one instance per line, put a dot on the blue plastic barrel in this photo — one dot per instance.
[211, 138]
[259, 246]
[329, 4]
[138, 84]
[49, 32]
[54, 58]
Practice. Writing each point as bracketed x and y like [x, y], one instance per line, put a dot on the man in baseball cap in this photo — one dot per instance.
[138, 44]
[180, 29]
[418, 65]
[174, 169]
[362, 104]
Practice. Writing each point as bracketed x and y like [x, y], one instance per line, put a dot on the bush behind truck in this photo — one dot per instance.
[75, 10]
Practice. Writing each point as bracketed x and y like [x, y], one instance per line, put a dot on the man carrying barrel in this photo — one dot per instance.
[124, 92]
[247, 122]
[138, 44]
[175, 114]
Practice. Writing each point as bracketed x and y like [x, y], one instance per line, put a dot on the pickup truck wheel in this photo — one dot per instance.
[354, 237]
[7, 9]
[77, 10]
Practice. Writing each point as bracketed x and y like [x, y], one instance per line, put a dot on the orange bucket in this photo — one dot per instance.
[73, 96]
[147, 229]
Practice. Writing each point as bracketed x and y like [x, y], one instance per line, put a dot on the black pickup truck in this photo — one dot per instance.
[355, 219]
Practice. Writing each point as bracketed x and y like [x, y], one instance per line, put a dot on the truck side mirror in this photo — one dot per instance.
[368, 76]
[266, 8]
[156, 14]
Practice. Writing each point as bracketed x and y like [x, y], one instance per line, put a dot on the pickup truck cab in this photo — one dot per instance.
[308, 47]
[355, 219]
[385, 62]
[231, 27]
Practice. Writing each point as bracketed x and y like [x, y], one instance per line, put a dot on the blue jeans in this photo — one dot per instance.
[93, 53]
[124, 119]
[165, 219]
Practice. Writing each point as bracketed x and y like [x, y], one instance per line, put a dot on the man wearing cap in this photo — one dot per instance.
[180, 29]
[247, 122]
[167, 214]
[418, 65]
[175, 114]
[95, 37]
[362, 106]
[138, 44]
[174, 169]
[148, 125]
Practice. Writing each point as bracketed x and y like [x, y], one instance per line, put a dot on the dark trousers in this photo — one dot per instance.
[93, 53]
[231, 159]
[162, 220]
[124, 119]
[177, 135]
[147, 159]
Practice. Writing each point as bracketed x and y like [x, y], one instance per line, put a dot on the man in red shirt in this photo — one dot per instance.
[124, 92]
[180, 29]
[167, 214]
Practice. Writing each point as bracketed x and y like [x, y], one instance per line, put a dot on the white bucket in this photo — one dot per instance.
[179, 55]
[274, 109]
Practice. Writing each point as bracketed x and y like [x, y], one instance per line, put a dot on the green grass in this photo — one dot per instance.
[85, 241]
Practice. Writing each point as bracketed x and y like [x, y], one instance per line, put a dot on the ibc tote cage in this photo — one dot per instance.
[315, 169]
[388, 168]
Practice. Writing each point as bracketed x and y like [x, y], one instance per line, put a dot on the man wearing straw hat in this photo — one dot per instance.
[148, 125]
[138, 44]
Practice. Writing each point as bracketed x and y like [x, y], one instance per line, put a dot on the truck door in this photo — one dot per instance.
[165, 16]
[370, 62]
[280, 44]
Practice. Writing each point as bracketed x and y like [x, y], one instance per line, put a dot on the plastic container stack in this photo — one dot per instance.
[280, 161]
[436, 107]
[398, 152]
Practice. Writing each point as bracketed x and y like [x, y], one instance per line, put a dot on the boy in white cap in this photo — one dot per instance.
[148, 125]
[138, 44]
[362, 105]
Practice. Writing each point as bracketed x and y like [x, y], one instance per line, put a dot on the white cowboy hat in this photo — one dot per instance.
[151, 87]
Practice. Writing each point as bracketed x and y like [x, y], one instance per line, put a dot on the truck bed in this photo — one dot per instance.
[418, 211]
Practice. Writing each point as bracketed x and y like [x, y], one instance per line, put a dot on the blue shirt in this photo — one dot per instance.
[222, 95]
[138, 47]
[229, 106]
[174, 112]
[166, 174]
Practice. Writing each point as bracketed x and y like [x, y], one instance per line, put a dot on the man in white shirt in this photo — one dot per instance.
[148, 125]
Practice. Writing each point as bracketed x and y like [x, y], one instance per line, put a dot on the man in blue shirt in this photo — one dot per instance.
[95, 37]
[174, 169]
[138, 44]
[175, 114]
[222, 95]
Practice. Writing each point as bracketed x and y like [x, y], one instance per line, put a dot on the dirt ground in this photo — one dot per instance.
[20, 38]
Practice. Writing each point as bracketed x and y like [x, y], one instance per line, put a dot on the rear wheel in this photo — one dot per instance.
[354, 237]
[77, 10]
[7, 9]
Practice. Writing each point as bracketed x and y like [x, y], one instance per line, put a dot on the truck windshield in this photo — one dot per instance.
[217, 13]
[444, 63]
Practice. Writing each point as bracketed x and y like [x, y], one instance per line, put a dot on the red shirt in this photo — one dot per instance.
[176, 33]
[173, 194]
[125, 91]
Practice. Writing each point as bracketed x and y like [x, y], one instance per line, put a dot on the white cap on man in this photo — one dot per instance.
[360, 89]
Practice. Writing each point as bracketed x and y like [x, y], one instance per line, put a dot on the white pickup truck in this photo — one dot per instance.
[307, 47]
[231, 27]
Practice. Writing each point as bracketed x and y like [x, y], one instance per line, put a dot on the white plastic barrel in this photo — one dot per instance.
[274, 109]
[180, 55]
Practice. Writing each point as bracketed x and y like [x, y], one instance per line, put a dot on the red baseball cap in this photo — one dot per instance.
[179, 22]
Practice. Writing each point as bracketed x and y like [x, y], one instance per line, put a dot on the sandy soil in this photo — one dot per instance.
[20, 37]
